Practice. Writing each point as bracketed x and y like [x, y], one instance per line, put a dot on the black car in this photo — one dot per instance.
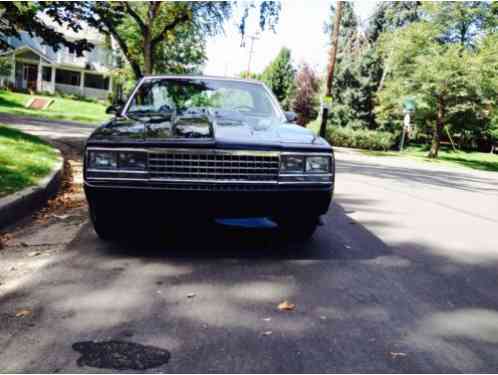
[188, 146]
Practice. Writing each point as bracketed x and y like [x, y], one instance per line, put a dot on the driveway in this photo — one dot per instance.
[402, 277]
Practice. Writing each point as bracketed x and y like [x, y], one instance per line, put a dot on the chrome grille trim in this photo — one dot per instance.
[213, 165]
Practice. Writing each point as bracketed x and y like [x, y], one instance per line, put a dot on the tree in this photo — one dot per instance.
[305, 101]
[249, 75]
[182, 51]
[25, 16]
[279, 76]
[158, 22]
[391, 15]
[460, 21]
[445, 80]
[357, 74]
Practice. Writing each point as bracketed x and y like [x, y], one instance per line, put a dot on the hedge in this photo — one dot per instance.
[360, 138]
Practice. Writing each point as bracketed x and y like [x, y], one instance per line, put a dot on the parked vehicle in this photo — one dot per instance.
[210, 147]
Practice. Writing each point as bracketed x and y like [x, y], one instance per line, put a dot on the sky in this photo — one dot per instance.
[300, 28]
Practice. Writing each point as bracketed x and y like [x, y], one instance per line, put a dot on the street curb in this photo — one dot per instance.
[18, 205]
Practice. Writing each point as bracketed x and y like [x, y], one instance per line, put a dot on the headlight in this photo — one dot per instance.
[317, 164]
[303, 164]
[132, 160]
[102, 160]
[292, 164]
[122, 160]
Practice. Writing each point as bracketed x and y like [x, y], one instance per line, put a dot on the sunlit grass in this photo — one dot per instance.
[13, 103]
[475, 160]
[24, 159]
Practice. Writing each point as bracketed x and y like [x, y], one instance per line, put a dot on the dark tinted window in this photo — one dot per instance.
[96, 81]
[67, 77]
[47, 73]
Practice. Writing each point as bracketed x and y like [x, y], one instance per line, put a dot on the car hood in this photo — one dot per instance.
[203, 129]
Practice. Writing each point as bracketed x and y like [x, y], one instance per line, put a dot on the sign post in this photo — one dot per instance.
[408, 109]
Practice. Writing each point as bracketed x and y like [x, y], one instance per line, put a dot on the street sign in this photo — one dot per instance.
[406, 121]
[409, 105]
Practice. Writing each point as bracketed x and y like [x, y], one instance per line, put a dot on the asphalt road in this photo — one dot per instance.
[402, 277]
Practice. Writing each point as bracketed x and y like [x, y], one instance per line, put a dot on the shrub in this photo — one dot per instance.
[361, 138]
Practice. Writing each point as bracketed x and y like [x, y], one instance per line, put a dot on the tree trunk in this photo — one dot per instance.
[148, 64]
[438, 129]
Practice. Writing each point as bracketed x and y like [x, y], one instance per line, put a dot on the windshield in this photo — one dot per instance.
[191, 96]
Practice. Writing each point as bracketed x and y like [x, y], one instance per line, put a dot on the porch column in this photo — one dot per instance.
[82, 84]
[53, 79]
[13, 72]
[39, 77]
[110, 85]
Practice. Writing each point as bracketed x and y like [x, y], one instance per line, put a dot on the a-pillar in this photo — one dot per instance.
[82, 84]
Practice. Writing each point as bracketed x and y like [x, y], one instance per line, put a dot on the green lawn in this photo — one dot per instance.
[475, 160]
[13, 103]
[24, 159]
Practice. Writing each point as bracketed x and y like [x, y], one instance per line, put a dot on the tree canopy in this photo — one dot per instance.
[25, 16]
[305, 101]
[279, 77]
[451, 72]
[142, 28]
[443, 54]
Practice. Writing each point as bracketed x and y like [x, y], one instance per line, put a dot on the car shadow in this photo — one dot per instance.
[339, 237]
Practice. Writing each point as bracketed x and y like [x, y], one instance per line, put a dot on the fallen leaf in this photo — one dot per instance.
[191, 295]
[20, 313]
[323, 317]
[347, 246]
[286, 306]
[24, 244]
[267, 333]
[397, 354]
[266, 319]
[4, 238]
[61, 217]
[34, 254]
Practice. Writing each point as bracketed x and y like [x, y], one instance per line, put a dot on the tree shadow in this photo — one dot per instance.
[210, 298]
[9, 103]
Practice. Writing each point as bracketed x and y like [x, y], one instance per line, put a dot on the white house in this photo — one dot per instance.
[37, 67]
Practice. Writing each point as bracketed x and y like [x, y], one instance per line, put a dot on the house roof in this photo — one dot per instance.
[34, 50]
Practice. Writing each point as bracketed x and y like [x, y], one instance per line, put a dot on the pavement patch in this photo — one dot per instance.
[120, 355]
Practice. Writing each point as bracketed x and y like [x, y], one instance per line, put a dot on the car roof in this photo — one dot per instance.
[200, 76]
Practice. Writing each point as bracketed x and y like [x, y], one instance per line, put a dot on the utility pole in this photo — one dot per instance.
[330, 73]
[251, 51]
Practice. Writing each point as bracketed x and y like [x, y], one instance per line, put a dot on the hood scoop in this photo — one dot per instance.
[188, 126]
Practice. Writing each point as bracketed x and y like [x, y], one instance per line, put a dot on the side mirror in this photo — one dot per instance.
[291, 117]
[114, 109]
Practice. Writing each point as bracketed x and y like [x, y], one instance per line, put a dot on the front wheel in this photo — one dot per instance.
[300, 228]
[103, 223]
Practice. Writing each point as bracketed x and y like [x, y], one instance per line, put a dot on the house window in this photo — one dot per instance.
[96, 81]
[47, 73]
[67, 77]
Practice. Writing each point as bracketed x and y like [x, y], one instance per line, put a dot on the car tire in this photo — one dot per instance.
[103, 223]
[300, 229]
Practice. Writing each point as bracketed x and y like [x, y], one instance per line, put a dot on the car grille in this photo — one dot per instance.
[214, 166]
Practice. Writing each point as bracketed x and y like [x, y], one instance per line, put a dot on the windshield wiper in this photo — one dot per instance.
[145, 113]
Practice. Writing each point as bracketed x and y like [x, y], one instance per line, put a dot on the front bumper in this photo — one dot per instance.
[204, 200]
